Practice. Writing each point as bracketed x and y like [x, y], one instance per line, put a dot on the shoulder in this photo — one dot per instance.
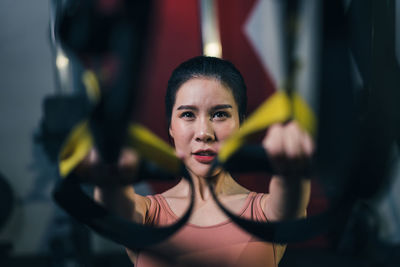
[159, 211]
[264, 200]
[143, 201]
[258, 207]
[265, 203]
[141, 206]
[252, 208]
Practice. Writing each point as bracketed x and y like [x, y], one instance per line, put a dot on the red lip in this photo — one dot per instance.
[204, 156]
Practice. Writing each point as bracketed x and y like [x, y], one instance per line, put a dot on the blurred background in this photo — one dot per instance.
[34, 231]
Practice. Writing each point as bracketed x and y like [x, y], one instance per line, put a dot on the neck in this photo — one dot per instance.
[222, 183]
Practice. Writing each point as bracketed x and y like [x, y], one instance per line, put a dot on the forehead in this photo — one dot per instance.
[204, 91]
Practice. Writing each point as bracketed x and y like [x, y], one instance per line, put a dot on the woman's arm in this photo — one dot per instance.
[290, 149]
[123, 201]
[113, 184]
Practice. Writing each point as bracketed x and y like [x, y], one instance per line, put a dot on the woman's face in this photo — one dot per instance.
[204, 115]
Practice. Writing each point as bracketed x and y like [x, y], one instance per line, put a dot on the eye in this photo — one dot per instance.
[220, 115]
[187, 115]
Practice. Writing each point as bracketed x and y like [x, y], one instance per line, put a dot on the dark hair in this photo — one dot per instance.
[207, 67]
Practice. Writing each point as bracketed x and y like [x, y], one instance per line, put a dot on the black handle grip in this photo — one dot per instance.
[249, 158]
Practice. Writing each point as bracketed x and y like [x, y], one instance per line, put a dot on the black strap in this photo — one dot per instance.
[70, 196]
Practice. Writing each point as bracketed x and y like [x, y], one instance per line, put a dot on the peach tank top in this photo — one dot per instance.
[224, 244]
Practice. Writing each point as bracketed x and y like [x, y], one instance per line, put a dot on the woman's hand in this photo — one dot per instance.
[92, 170]
[113, 184]
[289, 148]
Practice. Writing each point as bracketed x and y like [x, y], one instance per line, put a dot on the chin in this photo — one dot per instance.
[203, 172]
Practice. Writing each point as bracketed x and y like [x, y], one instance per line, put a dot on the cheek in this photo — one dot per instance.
[180, 135]
[226, 130]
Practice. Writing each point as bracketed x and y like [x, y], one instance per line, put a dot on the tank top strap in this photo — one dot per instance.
[159, 212]
[254, 210]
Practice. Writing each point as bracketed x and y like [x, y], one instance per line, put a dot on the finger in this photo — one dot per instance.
[308, 144]
[291, 152]
[128, 159]
[292, 142]
[84, 168]
[298, 149]
[93, 156]
[273, 141]
[273, 144]
[127, 167]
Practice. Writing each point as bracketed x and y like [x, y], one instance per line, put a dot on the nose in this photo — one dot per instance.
[205, 131]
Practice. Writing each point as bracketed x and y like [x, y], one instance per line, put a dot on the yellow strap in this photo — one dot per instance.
[76, 147]
[79, 142]
[89, 79]
[148, 145]
[153, 148]
[275, 109]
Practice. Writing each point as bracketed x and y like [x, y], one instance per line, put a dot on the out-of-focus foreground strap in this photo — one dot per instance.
[147, 144]
[77, 146]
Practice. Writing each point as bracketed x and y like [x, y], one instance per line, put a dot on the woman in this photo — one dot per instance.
[205, 104]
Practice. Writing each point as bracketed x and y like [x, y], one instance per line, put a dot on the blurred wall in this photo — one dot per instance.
[25, 78]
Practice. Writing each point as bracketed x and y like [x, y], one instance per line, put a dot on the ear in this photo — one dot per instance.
[170, 132]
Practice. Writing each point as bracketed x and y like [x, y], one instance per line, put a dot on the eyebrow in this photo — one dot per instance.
[223, 106]
[186, 107]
